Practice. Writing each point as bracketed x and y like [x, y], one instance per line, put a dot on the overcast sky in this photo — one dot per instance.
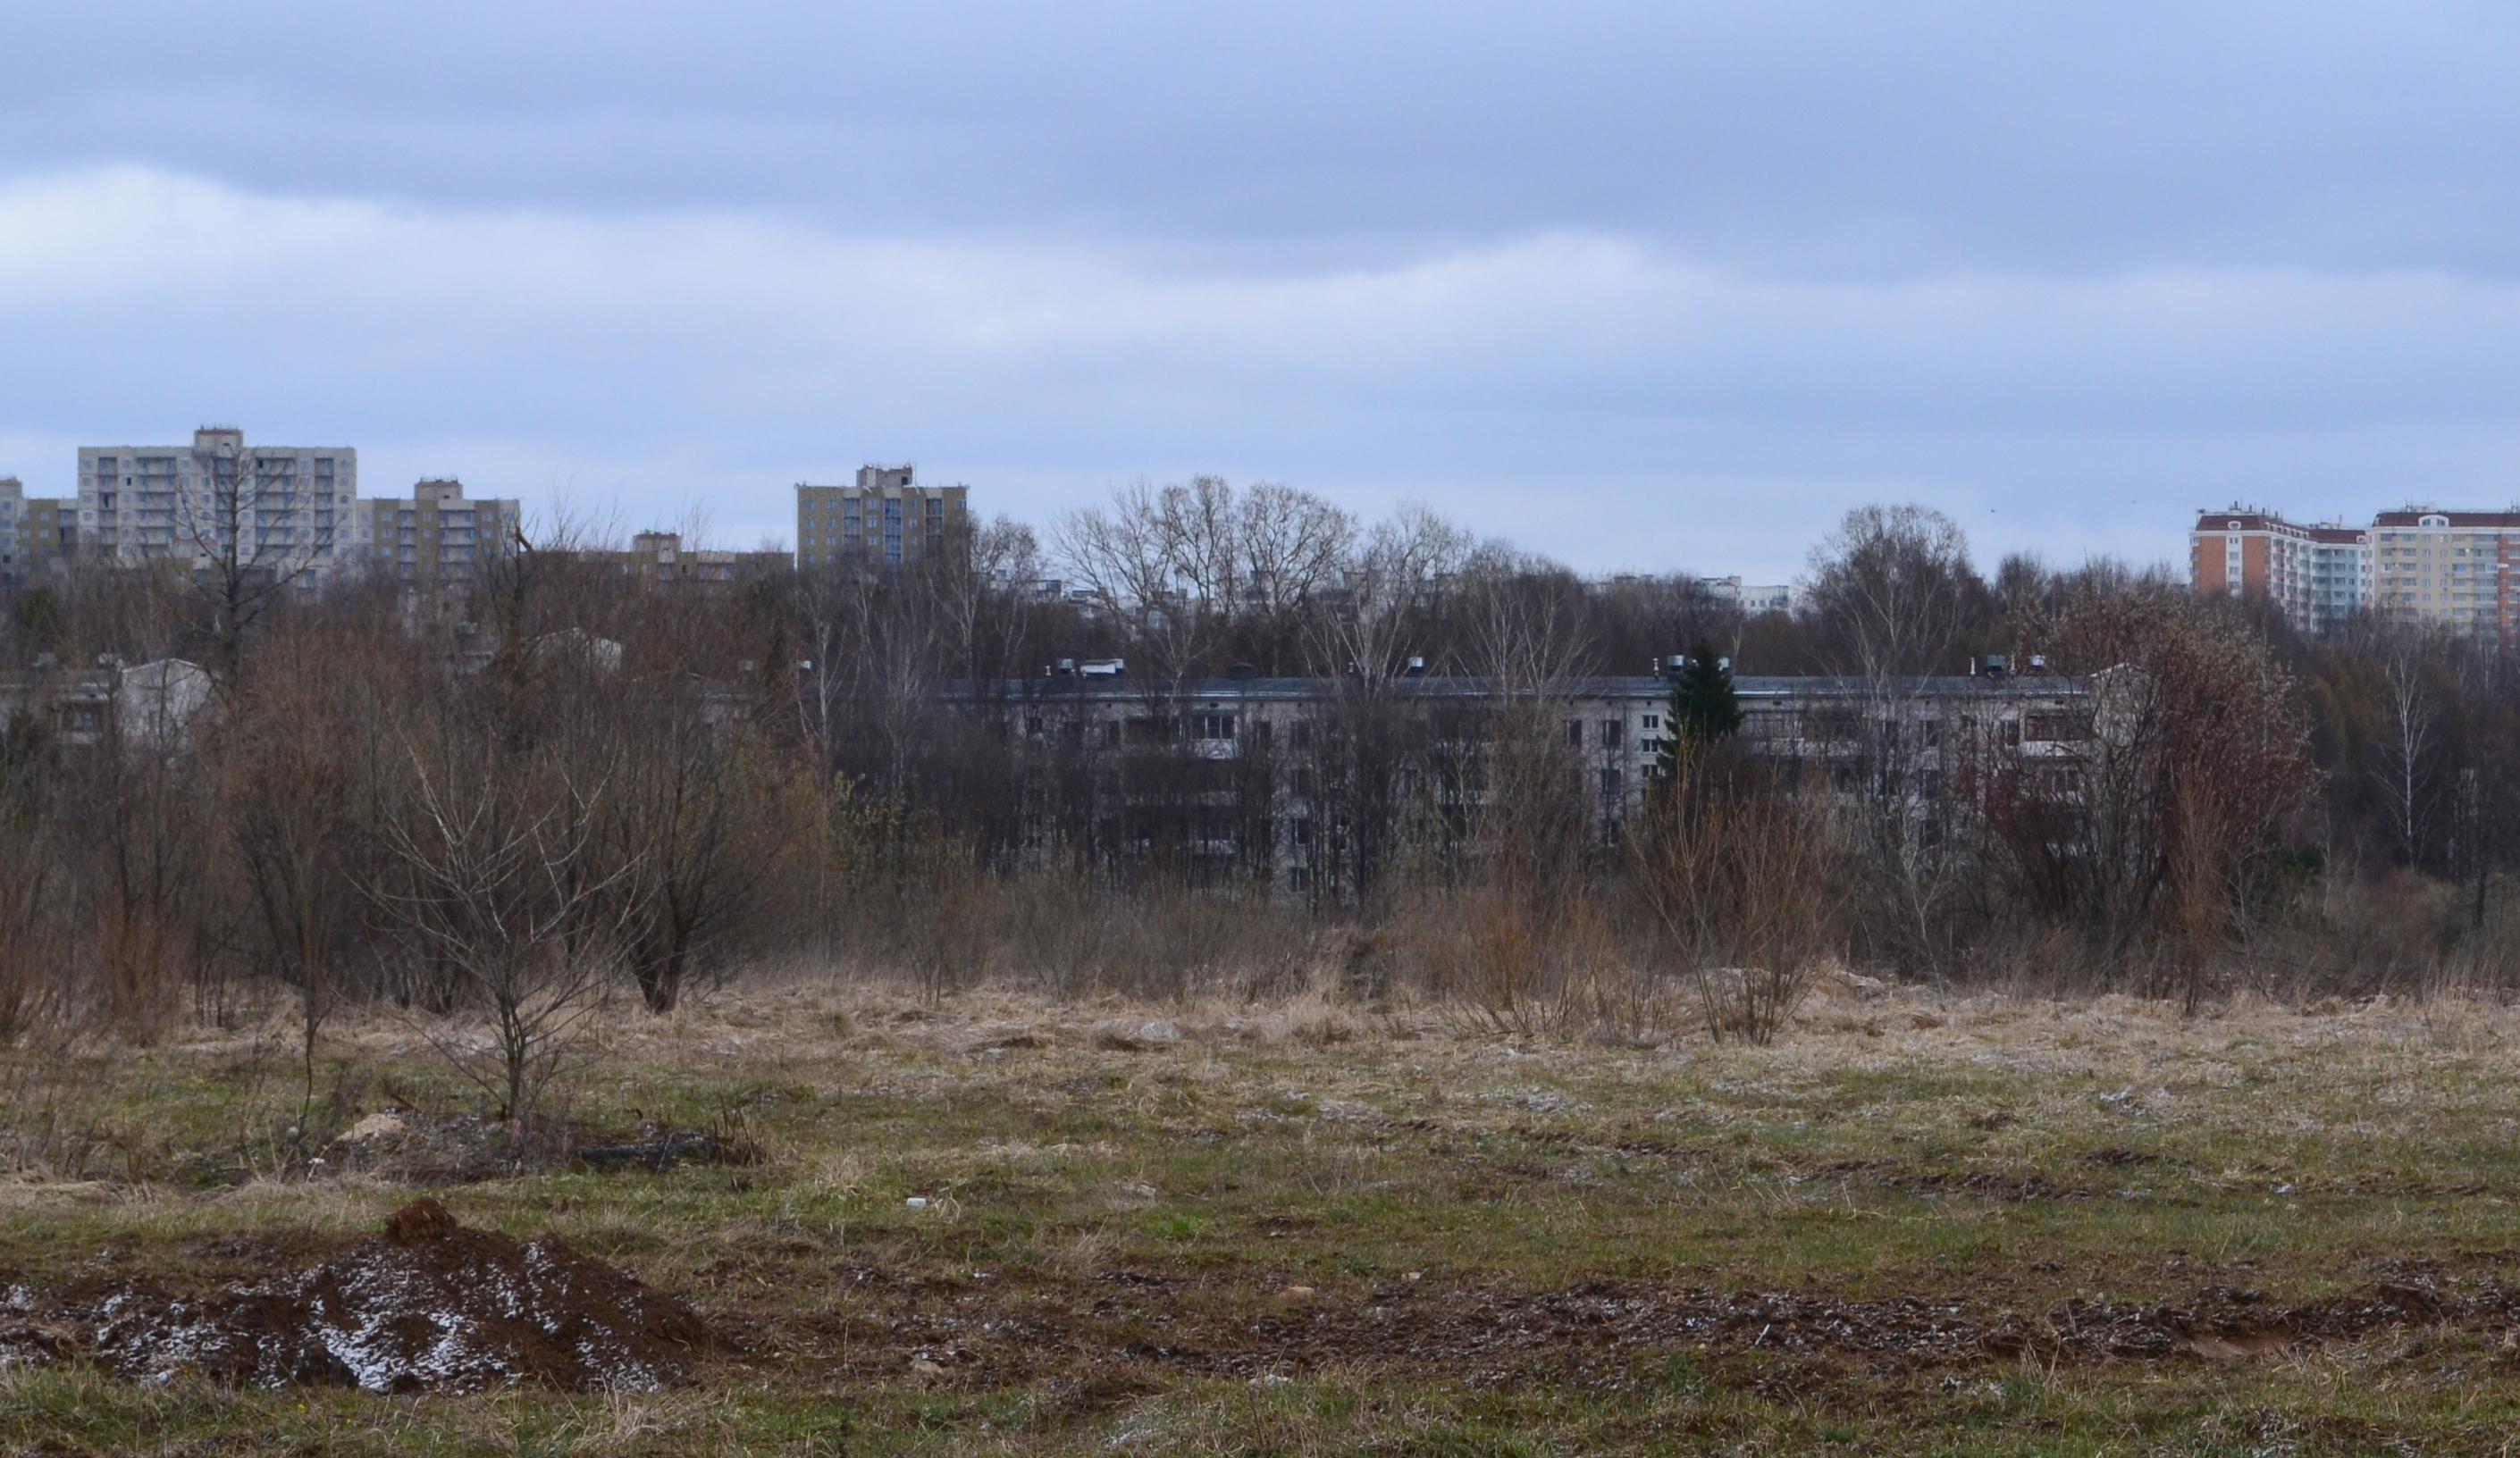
[1661, 286]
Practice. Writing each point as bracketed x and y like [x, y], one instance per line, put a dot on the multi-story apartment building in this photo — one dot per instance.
[35, 532]
[435, 538]
[660, 559]
[279, 510]
[1264, 774]
[14, 550]
[2458, 569]
[49, 530]
[2319, 575]
[1751, 598]
[883, 520]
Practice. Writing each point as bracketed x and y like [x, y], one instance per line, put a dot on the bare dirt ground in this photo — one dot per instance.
[425, 1307]
[1587, 1336]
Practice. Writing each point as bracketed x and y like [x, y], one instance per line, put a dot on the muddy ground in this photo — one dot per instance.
[431, 1306]
[978, 1333]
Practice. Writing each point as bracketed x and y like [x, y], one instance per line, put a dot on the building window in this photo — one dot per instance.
[1610, 728]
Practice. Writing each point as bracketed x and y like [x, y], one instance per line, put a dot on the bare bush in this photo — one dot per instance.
[2163, 831]
[1742, 876]
[492, 883]
[30, 932]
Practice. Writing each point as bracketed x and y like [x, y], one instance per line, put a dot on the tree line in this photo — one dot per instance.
[507, 803]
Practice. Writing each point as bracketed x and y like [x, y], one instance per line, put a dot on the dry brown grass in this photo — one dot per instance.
[795, 1013]
[1120, 1195]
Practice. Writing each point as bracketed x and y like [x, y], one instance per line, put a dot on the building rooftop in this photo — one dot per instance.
[1750, 690]
[2415, 516]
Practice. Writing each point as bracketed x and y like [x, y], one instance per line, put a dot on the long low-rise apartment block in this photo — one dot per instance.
[1266, 773]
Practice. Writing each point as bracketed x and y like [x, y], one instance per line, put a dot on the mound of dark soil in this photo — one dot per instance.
[428, 1307]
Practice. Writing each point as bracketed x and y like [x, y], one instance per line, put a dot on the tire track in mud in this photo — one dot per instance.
[1152, 1322]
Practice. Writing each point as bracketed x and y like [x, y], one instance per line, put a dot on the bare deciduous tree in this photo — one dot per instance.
[292, 818]
[1891, 590]
[689, 814]
[2195, 765]
[1292, 545]
[1365, 630]
[489, 877]
[2409, 742]
[254, 527]
[1146, 564]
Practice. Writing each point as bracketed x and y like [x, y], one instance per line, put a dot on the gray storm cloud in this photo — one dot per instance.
[1712, 272]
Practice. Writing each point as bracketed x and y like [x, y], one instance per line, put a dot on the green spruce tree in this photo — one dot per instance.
[1703, 707]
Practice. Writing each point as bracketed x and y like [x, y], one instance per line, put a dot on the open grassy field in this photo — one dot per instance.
[1914, 1226]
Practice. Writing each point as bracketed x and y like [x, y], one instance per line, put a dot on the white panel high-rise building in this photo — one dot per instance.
[281, 509]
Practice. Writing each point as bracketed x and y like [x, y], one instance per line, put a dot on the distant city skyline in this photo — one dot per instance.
[1657, 287]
